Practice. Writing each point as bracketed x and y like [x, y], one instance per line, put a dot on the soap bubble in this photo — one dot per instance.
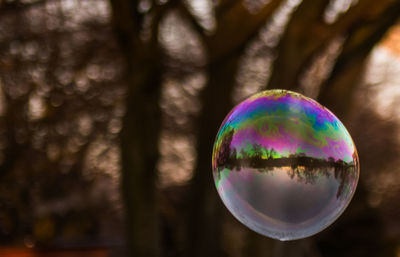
[284, 165]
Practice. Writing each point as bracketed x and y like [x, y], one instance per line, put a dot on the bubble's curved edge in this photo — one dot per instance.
[290, 236]
[267, 92]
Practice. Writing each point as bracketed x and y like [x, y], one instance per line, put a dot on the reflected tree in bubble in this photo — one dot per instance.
[284, 165]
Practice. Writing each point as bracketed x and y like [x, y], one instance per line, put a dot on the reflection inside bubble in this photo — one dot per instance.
[284, 165]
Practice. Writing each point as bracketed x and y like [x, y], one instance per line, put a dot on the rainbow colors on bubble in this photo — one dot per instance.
[284, 165]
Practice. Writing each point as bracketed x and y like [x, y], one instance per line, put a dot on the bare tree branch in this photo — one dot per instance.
[236, 27]
[361, 12]
[305, 38]
[183, 9]
[304, 34]
[348, 70]
[224, 6]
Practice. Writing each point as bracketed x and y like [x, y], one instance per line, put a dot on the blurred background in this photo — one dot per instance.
[109, 110]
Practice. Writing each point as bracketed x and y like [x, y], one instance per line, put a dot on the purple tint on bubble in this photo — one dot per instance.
[284, 165]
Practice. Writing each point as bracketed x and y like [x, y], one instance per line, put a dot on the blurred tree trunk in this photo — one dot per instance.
[141, 125]
[139, 156]
[10, 122]
[303, 36]
[236, 26]
[205, 208]
[258, 245]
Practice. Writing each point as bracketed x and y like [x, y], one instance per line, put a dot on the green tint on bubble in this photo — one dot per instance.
[284, 165]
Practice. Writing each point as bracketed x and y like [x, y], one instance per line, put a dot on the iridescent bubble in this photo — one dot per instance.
[284, 165]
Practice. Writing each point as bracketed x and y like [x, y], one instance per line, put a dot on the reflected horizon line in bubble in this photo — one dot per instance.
[284, 165]
[305, 168]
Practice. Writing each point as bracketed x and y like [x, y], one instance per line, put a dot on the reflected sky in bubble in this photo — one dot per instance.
[284, 165]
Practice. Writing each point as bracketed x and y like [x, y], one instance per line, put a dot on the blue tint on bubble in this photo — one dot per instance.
[284, 165]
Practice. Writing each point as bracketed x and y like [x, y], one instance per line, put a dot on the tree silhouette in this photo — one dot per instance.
[224, 153]
[305, 169]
